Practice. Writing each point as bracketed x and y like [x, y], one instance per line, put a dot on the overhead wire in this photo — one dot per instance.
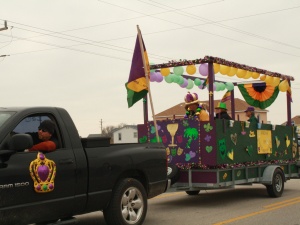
[11, 38]
[173, 9]
[215, 23]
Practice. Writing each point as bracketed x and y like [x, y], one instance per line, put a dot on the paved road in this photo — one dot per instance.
[246, 205]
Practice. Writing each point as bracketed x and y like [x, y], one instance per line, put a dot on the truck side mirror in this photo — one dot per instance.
[20, 142]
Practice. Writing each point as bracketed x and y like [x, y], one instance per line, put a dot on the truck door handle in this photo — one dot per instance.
[66, 161]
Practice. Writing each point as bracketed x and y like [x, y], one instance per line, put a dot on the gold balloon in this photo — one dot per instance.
[262, 77]
[255, 75]
[269, 79]
[191, 69]
[248, 75]
[216, 68]
[165, 71]
[224, 69]
[232, 71]
[276, 81]
[283, 86]
[241, 73]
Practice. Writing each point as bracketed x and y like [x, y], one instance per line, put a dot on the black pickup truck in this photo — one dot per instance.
[82, 175]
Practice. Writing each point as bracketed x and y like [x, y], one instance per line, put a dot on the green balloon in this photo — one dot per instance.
[169, 79]
[229, 86]
[190, 84]
[197, 82]
[181, 80]
[222, 86]
[176, 79]
[178, 70]
[217, 84]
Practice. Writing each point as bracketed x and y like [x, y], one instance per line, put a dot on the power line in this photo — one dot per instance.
[69, 48]
[90, 42]
[192, 27]
[215, 23]
[182, 27]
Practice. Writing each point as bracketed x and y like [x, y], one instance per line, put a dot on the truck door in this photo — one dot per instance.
[21, 199]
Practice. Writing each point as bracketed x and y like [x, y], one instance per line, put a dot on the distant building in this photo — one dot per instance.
[178, 111]
[126, 134]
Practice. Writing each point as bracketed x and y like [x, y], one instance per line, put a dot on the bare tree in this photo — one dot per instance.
[107, 130]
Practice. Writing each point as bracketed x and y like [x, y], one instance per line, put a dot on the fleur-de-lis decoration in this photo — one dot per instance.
[207, 138]
[208, 127]
[185, 123]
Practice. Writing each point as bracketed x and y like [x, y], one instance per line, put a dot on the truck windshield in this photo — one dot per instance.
[4, 117]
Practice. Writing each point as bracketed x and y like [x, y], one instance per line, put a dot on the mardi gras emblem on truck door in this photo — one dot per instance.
[42, 172]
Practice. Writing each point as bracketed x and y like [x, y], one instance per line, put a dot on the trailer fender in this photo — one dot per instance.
[267, 177]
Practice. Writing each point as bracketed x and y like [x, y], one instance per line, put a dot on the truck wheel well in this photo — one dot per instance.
[136, 174]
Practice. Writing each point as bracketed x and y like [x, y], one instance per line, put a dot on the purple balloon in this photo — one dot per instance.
[185, 83]
[159, 77]
[153, 76]
[203, 69]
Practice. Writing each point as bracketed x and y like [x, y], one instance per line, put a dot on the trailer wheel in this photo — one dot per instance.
[192, 192]
[173, 173]
[128, 205]
[276, 188]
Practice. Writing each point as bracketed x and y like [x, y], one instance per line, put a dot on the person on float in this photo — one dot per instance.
[222, 111]
[194, 108]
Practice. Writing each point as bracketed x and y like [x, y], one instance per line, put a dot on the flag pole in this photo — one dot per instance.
[147, 80]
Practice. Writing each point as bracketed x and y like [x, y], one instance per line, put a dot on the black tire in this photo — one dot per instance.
[192, 192]
[173, 173]
[128, 204]
[275, 190]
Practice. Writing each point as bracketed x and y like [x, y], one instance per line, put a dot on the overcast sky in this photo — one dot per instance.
[77, 54]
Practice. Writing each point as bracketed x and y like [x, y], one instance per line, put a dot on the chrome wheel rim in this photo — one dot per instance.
[169, 171]
[132, 205]
[278, 182]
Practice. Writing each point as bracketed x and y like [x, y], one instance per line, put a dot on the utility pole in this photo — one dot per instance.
[101, 126]
[5, 26]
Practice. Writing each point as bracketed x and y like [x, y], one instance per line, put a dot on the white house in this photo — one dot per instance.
[126, 134]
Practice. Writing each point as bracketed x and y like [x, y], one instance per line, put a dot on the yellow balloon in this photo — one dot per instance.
[262, 77]
[241, 73]
[255, 75]
[269, 79]
[191, 69]
[248, 75]
[276, 81]
[224, 69]
[165, 71]
[232, 71]
[283, 86]
[216, 68]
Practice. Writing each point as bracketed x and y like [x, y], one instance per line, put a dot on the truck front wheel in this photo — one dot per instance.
[276, 188]
[128, 205]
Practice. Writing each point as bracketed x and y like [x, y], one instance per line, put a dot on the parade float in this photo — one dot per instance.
[221, 153]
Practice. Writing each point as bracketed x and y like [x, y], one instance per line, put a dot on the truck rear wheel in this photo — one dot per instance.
[276, 188]
[128, 205]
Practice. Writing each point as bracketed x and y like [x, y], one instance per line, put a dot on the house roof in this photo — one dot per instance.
[126, 126]
[295, 120]
[179, 110]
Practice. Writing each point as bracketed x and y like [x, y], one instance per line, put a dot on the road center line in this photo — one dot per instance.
[259, 212]
[279, 203]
